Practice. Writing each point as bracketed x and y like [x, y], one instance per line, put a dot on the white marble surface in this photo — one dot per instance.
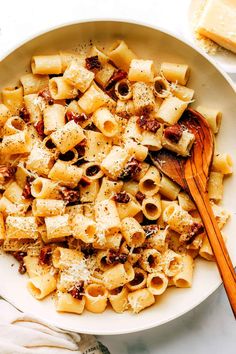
[209, 328]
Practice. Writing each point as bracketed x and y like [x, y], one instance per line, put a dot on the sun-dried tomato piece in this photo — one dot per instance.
[39, 126]
[140, 197]
[19, 256]
[70, 195]
[121, 197]
[24, 114]
[195, 229]
[173, 133]
[27, 189]
[116, 257]
[6, 173]
[149, 124]
[150, 229]
[117, 76]
[46, 95]
[93, 63]
[131, 169]
[22, 268]
[77, 290]
[45, 255]
[81, 148]
[77, 118]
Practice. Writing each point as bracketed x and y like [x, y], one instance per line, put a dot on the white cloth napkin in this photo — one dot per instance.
[25, 334]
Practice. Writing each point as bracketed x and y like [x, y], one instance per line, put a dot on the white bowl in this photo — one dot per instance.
[213, 88]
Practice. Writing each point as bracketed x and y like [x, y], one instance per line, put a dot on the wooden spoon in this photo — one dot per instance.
[192, 174]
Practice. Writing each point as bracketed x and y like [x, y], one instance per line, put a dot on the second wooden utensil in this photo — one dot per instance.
[192, 174]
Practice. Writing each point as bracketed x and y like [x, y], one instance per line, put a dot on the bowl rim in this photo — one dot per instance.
[32, 37]
[39, 33]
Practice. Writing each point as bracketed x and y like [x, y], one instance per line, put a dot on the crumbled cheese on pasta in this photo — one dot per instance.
[100, 233]
[221, 214]
[40, 102]
[77, 271]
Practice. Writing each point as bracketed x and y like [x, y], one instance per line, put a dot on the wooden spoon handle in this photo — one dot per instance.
[217, 243]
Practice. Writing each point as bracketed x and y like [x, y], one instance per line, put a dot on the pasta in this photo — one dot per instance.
[141, 70]
[82, 207]
[175, 72]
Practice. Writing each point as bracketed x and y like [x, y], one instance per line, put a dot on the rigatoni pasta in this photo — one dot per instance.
[82, 206]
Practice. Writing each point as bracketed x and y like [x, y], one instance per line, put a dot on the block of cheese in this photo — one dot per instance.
[218, 22]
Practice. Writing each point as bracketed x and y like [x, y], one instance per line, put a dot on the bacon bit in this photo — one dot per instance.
[149, 124]
[150, 229]
[6, 173]
[19, 256]
[131, 169]
[116, 257]
[39, 126]
[45, 255]
[81, 147]
[195, 229]
[93, 63]
[70, 195]
[46, 95]
[27, 189]
[77, 290]
[117, 76]
[85, 181]
[121, 197]
[140, 197]
[92, 170]
[77, 118]
[24, 114]
[173, 133]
